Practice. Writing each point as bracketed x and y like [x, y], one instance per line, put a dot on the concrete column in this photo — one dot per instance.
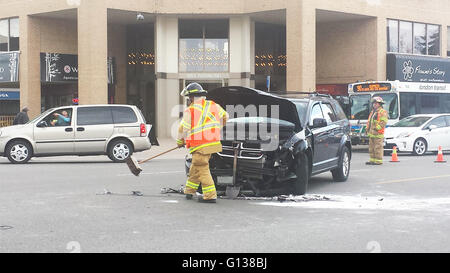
[92, 53]
[167, 82]
[30, 81]
[240, 50]
[301, 45]
[381, 50]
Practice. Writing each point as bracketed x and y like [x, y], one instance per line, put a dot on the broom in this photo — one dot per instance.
[133, 164]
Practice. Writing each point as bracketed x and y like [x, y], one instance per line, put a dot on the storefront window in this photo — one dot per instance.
[4, 34]
[392, 36]
[203, 45]
[14, 34]
[413, 38]
[420, 39]
[434, 40]
[405, 35]
[448, 41]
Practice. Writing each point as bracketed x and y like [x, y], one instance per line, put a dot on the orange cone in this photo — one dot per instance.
[440, 157]
[394, 155]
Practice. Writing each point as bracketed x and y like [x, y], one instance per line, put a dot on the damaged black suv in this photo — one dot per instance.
[273, 144]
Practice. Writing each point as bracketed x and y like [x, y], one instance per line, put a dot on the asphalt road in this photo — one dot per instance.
[58, 205]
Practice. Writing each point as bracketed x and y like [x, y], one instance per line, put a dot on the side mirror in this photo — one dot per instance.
[42, 124]
[432, 127]
[319, 123]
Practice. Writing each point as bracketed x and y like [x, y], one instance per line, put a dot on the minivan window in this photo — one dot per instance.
[123, 115]
[94, 116]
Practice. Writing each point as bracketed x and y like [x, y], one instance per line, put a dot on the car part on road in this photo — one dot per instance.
[233, 191]
[133, 164]
[5, 227]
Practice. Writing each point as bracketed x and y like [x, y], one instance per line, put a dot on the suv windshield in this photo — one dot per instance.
[360, 105]
[411, 122]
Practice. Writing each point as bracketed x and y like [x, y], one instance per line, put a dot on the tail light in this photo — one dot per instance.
[143, 130]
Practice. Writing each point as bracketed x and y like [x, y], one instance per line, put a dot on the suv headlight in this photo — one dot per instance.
[404, 135]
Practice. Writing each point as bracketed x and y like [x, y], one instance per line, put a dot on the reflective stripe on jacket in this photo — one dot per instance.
[377, 123]
[204, 129]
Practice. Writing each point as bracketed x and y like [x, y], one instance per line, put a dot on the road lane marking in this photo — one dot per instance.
[412, 179]
[152, 173]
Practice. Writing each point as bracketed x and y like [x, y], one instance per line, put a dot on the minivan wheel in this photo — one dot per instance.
[420, 147]
[341, 173]
[19, 152]
[302, 172]
[120, 150]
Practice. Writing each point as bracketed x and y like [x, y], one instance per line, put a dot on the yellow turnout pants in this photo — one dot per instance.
[199, 175]
[376, 150]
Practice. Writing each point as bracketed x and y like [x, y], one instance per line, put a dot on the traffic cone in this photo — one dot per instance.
[394, 155]
[440, 157]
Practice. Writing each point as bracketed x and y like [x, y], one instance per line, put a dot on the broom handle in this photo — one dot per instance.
[163, 153]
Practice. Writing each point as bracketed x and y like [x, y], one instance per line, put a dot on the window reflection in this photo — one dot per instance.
[203, 46]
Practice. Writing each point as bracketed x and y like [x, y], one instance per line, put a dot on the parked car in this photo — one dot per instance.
[113, 130]
[419, 134]
[310, 135]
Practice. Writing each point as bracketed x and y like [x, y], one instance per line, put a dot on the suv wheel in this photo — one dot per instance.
[302, 172]
[19, 152]
[120, 150]
[341, 173]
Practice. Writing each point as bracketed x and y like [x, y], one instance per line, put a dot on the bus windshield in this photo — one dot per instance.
[391, 104]
[360, 105]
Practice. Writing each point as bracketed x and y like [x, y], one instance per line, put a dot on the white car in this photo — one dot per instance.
[419, 134]
[113, 130]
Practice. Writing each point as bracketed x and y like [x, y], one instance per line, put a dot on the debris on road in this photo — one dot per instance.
[5, 227]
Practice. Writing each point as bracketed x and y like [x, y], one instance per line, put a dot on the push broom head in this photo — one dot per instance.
[133, 165]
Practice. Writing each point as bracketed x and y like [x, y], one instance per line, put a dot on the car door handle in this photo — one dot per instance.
[80, 129]
[69, 129]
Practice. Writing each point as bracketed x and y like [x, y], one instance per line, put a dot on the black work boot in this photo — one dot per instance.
[201, 200]
[188, 196]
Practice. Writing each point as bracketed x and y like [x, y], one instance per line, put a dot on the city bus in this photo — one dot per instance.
[402, 99]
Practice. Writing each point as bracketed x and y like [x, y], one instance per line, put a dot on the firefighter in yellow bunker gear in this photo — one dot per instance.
[199, 130]
[375, 130]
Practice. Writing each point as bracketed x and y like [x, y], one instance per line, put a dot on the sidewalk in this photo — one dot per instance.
[164, 145]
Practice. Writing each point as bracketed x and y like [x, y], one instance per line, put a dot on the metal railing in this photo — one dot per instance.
[6, 120]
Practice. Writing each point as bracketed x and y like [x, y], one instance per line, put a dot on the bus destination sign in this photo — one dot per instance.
[372, 87]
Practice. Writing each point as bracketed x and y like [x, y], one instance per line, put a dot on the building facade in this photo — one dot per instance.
[58, 52]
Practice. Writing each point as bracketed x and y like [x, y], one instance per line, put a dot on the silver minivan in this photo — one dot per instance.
[113, 130]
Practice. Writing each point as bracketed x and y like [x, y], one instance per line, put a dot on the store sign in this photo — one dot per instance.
[408, 68]
[9, 67]
[9, 94]
[57, 67]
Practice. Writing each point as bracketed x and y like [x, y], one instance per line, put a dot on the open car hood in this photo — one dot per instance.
[238, 95]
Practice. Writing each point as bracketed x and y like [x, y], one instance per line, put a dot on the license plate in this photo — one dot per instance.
[225, 180]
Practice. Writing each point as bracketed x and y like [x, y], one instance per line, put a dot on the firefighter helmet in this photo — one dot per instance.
[193, 89]
[378, 99]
